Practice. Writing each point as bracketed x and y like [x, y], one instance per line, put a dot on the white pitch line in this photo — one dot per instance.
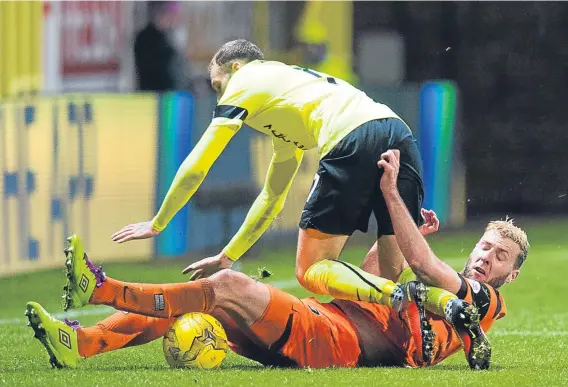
[528, 333]
[285, 284]
[72, 314]
[105, 310]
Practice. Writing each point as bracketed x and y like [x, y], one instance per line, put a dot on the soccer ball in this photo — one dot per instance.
[195, 340]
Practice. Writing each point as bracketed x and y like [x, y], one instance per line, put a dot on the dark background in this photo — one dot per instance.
[510, 61]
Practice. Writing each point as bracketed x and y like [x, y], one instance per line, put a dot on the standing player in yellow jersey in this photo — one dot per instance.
[302, 110]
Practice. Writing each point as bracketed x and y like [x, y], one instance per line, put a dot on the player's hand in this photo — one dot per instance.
[142, 230]
[208, 266]
[390, 163]
[431, 222]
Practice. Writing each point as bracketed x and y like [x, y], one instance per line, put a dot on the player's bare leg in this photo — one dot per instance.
[315, 246]
[319, 270]
[391, 262]
[371, 262]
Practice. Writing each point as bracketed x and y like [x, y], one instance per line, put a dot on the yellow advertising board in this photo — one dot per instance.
[75, 164]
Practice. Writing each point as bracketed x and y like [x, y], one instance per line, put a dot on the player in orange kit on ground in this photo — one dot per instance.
[276, 328]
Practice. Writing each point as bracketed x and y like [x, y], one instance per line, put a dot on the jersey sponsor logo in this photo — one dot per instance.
[283, 137]
[475, 286]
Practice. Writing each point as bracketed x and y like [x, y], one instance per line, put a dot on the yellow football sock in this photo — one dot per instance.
[436, 299]
[345, 281]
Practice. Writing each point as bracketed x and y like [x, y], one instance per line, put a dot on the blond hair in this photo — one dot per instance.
[507, 229]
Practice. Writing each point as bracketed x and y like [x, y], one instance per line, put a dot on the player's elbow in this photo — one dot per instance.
[273, 204]
[192, 180]
[278, 207]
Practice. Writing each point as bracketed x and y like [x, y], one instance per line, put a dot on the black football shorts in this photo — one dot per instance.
[346, 188]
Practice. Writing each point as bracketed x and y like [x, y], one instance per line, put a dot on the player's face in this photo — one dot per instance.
[493, 259]
[219, 80]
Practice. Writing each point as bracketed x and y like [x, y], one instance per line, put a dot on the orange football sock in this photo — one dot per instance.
[163, 300]
[121, 330]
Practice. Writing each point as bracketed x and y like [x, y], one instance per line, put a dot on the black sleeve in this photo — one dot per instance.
[463, 288]
[480, 294]
[499, 305]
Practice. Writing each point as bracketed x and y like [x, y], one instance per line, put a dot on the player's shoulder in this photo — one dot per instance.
[255, 76]
[252, 85]
[474, 287]
[260, 68]
[488, 299]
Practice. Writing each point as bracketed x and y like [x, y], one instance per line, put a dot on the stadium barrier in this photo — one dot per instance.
[441, 152]
[92, 164]
[74, 163]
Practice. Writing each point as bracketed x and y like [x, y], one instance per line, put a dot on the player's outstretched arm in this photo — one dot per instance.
[427, 267]
[266, 207]
[268, 204]
[188, 178]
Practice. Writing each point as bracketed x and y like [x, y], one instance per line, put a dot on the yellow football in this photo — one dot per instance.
[195, 340]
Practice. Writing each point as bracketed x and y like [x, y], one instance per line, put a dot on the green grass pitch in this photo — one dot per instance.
[530, 343]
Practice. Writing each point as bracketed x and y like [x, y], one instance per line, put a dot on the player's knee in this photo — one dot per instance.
[225, 276]
[302, 266]
[228, 281]
[310, 277]
[301, 273]
[315, 277]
